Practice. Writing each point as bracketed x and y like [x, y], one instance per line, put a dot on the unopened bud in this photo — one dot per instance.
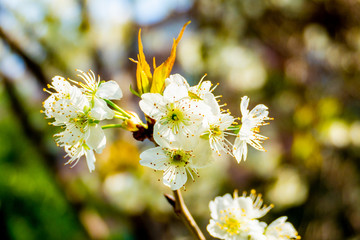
[132, 123]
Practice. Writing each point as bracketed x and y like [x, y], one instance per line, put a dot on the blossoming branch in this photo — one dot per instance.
[188, 126]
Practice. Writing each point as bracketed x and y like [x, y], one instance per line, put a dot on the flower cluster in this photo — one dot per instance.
[188, 126]
[79, 110]
[237, 218]
[191, 128]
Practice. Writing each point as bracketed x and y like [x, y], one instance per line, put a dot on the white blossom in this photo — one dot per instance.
[177, 117]
[215, 127]
[79, 111]
[249, 131]
[98, 90]
[236, 218]
[63, 90]
[198, 91]
[280, 229]
[177, 160]
[82, 134]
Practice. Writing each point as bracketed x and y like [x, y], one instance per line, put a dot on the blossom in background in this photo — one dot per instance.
[249, 131]
[177, 161]
[277, 230]
[280, 230]
[79, 111]
[236, 218]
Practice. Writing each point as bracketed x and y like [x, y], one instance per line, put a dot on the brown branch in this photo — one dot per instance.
[177, 202]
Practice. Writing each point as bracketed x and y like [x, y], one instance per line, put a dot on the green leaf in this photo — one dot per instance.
[134, 92]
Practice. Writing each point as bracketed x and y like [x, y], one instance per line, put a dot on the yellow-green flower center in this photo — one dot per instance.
[179, 157]
[230, 224]
[215, 131]
[175, 115]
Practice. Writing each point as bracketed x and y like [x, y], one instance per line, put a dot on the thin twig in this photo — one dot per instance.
[183, 212]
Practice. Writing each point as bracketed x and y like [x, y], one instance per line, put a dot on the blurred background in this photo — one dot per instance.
[301, 58]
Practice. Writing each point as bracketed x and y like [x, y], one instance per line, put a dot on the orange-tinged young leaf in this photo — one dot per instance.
[146, 82]
[143, 73]
[138, 78]
[141, 57]
[143, 81]
[163, 71]
[154, 63]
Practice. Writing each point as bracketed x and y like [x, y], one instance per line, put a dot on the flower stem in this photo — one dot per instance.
[117, 108]
[183, 212]
[112, 126]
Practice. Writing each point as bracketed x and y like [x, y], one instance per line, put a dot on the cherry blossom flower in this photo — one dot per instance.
[79, 111]
[177, 160]
[236, 217]
[249, 131]
[215, 131]
[82, 132]
[98, 90]
[177, 118]
[280, 229]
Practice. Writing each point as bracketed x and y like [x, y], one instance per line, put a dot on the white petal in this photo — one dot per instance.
[152, 104]
[90, 159]
[165, 137]
[259, 111]
[74, 152]
[78, 98]
[219, 204]
[205, 87]
[202, 155]
[71, 135]
[210, 100]
[226, 121]
[109, 90]
[95, 138]
[279, 228]
[258, 236]
[177, 79]
[240, 149]
[174, 92]
[154, 158]
[215, 230]
[101, 110]
[244, 106]
[48, 105]
[64, 110]
[246, 206]
[175, 178]
[60, 84]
